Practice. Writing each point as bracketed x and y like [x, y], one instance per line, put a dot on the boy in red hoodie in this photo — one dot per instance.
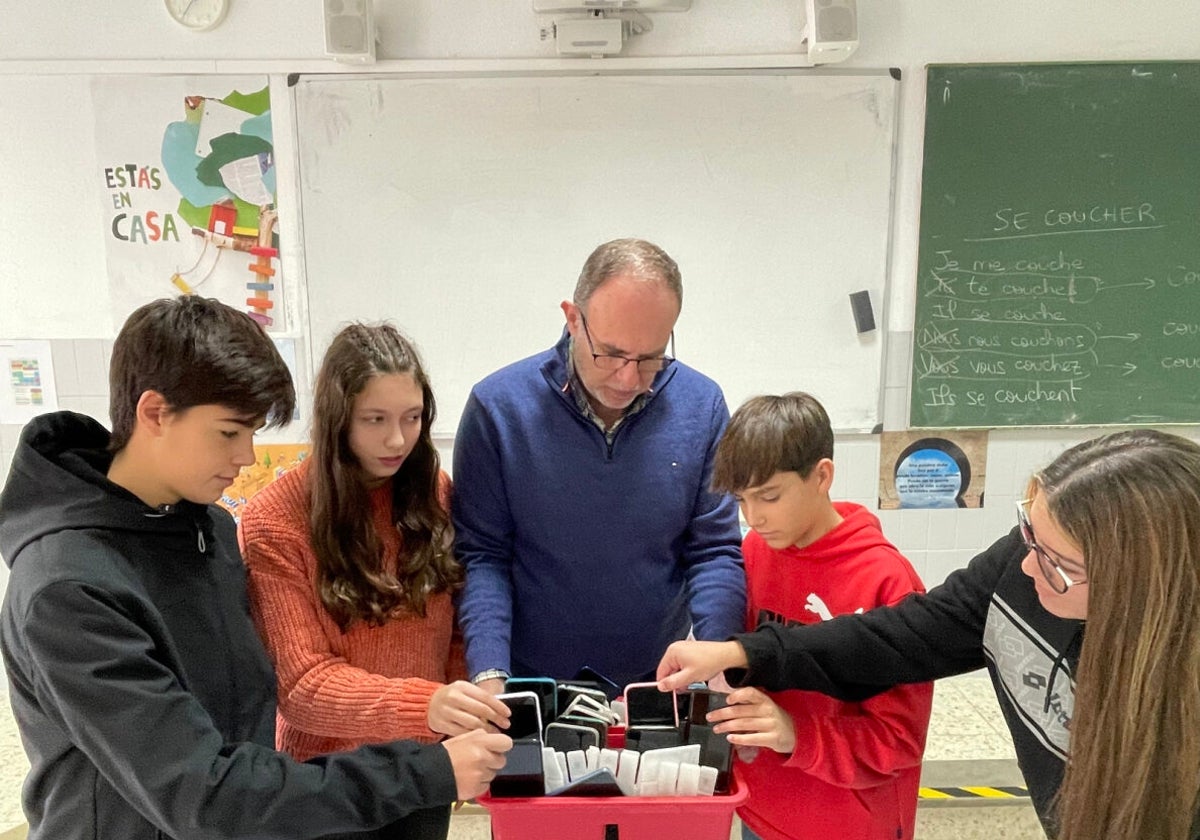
[815, 767]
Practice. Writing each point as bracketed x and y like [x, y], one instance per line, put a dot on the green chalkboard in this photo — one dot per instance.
[1059, 261]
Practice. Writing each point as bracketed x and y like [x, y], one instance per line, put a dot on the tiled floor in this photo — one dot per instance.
[13, 767]
[967, 722]
[968, 745]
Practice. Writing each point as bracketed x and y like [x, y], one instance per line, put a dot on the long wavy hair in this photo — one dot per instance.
[1131, 501]
[354, 578]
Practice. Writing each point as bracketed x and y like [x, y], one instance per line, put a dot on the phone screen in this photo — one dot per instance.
[545, 689]
[702, 702]
[647, 706]
[526, 720]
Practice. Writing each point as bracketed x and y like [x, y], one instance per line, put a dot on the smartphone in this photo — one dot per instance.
[546, 690]
[525, 724]
[589, 674]
[565, 736]
[702, 701]
[585, 706]
[599, 782]
[596, 725]
[522, 774]
[648, 708]
[569, 690]
[715, 749]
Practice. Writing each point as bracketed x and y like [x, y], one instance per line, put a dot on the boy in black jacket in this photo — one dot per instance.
[144, 697]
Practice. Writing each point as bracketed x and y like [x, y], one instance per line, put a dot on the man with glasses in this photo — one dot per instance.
[582, 507]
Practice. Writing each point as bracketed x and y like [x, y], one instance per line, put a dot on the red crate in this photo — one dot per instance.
[615, 817]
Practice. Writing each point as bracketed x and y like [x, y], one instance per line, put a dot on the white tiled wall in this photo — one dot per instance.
[936, 541]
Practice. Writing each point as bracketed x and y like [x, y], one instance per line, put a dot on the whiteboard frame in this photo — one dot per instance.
[880, 293]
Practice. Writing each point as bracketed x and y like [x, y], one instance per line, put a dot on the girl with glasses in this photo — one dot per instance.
[1087, 618]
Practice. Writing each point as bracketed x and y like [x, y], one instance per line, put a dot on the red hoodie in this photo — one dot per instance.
[857, 766]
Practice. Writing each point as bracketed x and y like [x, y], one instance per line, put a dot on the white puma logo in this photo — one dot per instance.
[814, 604]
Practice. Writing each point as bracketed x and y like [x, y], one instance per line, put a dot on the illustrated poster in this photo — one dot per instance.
[187, 170]
[28, 388]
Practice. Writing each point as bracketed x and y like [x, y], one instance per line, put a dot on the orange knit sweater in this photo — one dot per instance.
[339, 690]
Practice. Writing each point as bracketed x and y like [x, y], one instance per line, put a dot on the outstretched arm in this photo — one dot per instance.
[112, 694]
[853, 657]
[685, 663]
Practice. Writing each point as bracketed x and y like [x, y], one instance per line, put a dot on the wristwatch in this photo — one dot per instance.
[490, 674]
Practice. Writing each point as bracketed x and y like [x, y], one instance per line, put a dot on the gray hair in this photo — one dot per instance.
[643, 259]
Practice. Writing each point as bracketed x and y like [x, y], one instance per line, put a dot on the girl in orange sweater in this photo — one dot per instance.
[351, 573]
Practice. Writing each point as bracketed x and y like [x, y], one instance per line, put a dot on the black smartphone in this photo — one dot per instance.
[522, 774]
[599, 782]
[588, 674]
[566, 736]
[526, 720]
[715, 749]
[648, 708]
[546, 690]
[701, 701]
[596, 725]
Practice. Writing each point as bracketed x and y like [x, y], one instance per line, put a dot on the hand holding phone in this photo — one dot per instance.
[459, 707]
[476, 757]
[648, 708]
[525, 715]
[522, 774]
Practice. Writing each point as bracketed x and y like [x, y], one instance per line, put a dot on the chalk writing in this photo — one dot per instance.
[1058, 274]
[1022, 324]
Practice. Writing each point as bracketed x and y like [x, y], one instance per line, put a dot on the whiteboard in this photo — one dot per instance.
[463, 207]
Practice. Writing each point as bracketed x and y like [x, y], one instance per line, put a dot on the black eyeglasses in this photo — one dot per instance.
[1058, 579]
[609, 361]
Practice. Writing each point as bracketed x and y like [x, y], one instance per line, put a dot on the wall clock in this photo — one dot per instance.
[197, 15]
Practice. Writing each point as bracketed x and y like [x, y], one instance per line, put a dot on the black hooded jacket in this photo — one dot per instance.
[144, 697]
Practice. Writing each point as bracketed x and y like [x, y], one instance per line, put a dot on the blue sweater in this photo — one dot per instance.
[580, 553]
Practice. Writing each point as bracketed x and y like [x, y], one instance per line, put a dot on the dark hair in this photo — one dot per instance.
[354, 579]
[643, 259]
[196, 351]
[771, 434]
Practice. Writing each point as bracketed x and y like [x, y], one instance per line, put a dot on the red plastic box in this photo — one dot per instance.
[615, 817]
